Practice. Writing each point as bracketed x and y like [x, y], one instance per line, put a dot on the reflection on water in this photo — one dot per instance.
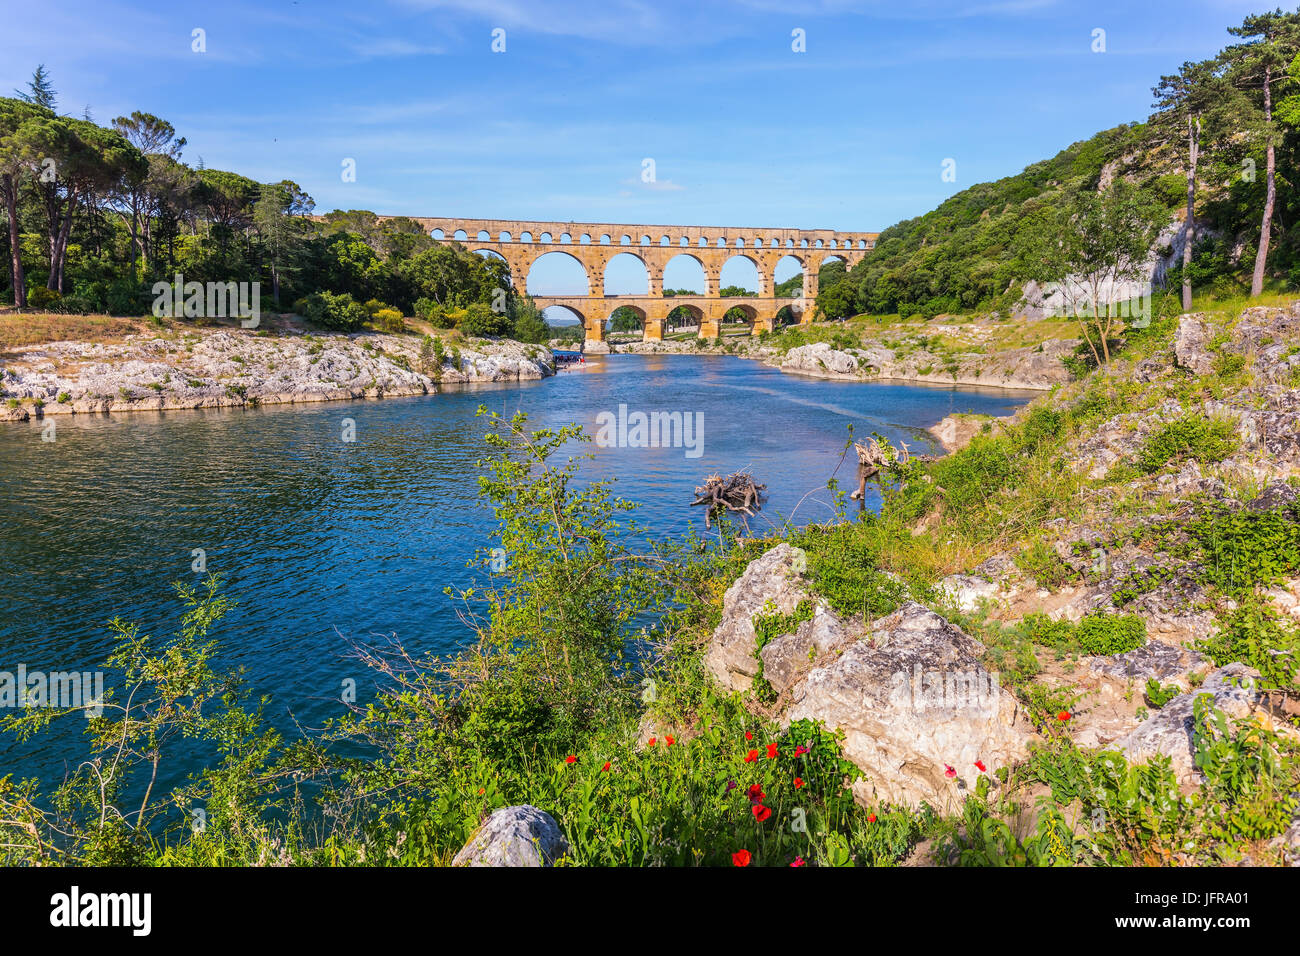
[322, 541]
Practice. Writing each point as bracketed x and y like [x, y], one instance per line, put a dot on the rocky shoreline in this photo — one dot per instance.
[1036, 368]
[224, 368]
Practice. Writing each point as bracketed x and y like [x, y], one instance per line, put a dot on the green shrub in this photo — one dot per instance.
[331, 311]
[1111, 633]
[1192, 437]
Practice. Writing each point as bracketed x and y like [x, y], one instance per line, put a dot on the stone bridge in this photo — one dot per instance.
[521, 243]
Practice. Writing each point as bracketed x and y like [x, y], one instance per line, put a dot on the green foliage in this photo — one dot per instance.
[1189, 438]
[339, 312]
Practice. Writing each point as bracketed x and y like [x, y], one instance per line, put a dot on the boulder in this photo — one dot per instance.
[514, 836]
[788, 657]
[776, 577]
[965, 591]
[913, 701]
[1192, 345]
[1168, 731]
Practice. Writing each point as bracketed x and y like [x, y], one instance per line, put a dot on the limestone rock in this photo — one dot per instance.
[775, 577]
[912, 701]
[786, 658]
[1169, 730]
[1192, 345]
[965, 591]
[514, 836]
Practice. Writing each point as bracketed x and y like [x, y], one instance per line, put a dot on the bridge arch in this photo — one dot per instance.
[626, 322]
[563, 269]
[738, 316]
[683, 318]
[627, 273]
[686, 271]
[742, 270]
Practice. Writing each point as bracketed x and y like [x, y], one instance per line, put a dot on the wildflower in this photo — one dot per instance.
[1063, 716]
[798, 861]
[749, 735]
[800, 750]
[756, 794]
[949, 772]
[798, 782]
[751, 756]
[871, 819]
[481, 791]
[731, 785]
[652, 741]
[740, 858]
[760, 812]
[979, 765]
[668, 740]
[571, 759]
[771, 751]
[606, 767]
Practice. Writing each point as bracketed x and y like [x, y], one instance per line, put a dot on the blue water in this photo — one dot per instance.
[323, 542]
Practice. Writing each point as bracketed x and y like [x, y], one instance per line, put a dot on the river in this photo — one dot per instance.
[323, 541]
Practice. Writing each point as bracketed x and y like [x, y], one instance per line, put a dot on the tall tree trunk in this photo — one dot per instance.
[1189, 236]
[10, 189]
[1261, 256]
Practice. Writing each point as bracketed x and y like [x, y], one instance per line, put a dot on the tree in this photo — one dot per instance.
[156, 139]
[39, 91]
[280, 230]
[1261, 64]
[74, 161]
[1186, 103]
[1092, 248]
[15, 163]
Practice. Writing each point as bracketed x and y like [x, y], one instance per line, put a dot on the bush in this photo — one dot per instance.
[1191, 437]
[479, 320]
[340, 312]
[389, 320]
[1111, 633]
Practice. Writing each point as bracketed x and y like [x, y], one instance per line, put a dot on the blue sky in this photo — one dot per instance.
[743, 130]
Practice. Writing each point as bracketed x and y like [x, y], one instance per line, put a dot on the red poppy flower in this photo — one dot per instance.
[651, 742]
[871, 819]
[740, 858]
[749, 735]
[1063, 716]
[756, 794]
[606, 767]
[771, 751]
[669, 740]
[798, 782]
[571, 759]
[949, 772]
[751, 756]
[979, 765]
[481, 791]
[798, 861]
[760, 812]
[800, 750]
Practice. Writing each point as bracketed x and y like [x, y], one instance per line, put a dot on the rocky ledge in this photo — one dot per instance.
[1038, 367]
[212, 369]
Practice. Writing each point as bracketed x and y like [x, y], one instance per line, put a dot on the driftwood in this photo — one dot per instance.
[736, 493]
[877, 454]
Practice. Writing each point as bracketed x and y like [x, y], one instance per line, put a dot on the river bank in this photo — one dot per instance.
[199, 367]
[938, 353]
